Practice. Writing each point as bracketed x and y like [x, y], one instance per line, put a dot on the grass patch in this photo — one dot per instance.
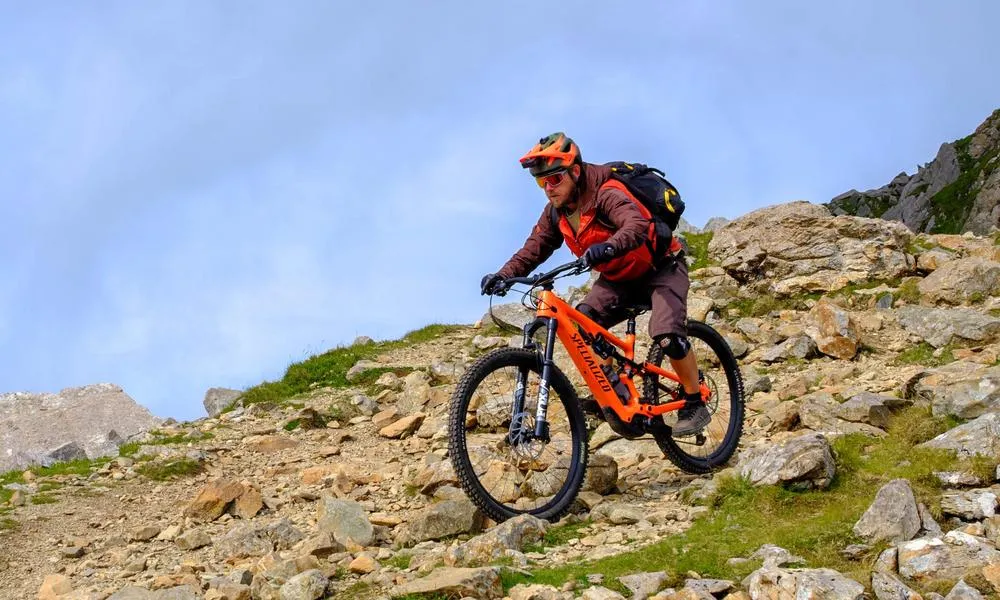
[908, 290]
[923, 354]
[558, 535]
[162, 439]
[170, 469]
[813, 524]
[697, 248]
[43, 499]
[292, 425]
[761, 306]
[330, 368]
[8, 524]
[400, 561]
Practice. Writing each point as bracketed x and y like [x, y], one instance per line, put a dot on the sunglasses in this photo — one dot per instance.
[551, 180]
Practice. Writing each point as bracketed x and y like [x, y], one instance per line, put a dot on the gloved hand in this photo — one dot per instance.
[491, 284]
[598, 253]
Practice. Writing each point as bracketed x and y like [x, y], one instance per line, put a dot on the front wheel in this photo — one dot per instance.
[710, 449]
[501, 466]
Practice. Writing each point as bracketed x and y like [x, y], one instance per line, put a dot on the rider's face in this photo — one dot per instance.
[561, 194]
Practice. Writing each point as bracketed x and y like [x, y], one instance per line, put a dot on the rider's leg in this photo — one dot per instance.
[668, 326]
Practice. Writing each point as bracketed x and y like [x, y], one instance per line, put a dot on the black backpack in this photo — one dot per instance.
[650, 187]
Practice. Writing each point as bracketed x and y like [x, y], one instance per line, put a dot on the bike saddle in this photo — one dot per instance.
[637, 309]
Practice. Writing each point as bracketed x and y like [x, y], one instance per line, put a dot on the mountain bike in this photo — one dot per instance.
[518, 438]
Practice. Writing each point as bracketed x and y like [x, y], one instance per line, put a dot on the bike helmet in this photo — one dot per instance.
[552, 153]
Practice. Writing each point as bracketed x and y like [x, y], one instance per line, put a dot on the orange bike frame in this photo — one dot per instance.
[551, 306]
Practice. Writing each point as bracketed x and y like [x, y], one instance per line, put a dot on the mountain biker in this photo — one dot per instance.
[600, 221]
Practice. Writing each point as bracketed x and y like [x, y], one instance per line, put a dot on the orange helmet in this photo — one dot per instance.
[552, 153]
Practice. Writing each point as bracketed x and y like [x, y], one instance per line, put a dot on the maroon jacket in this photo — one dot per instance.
[606, 214]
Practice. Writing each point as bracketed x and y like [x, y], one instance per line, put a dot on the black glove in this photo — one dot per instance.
[491, 284]
[598, 253]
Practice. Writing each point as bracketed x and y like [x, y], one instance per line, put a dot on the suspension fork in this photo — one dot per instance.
[548, 364]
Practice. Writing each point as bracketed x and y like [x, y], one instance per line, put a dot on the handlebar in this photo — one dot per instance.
[579, 265]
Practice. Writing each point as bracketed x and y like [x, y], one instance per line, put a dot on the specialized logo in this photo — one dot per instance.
[592, 365]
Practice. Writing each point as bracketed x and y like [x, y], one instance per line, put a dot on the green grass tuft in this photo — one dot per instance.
[330, 368]
[43, 499]
[697, 247]
[923, 354]
[170, 469]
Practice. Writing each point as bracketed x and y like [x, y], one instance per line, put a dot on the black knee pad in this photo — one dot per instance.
[675, 346]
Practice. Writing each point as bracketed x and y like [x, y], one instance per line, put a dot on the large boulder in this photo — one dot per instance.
[961, 281]
[96, 418]
[948, 557]
[961, 389]
[218, 399]
[453, 582]
[497, 543]
[893, 516]
[815, 584]
[800, 247]
[440, 520]
[942, 326]
[979, 437]
[805, 461]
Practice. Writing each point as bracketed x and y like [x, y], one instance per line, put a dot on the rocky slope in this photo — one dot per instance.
[346, 492]
[958, 191]
[81, 422]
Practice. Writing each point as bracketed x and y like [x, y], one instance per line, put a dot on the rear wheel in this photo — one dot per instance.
[499, 463]
[715, 445]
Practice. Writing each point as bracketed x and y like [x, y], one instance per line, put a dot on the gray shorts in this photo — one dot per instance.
[665, 289]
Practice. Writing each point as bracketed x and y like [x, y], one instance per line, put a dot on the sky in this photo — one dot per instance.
[198, 194]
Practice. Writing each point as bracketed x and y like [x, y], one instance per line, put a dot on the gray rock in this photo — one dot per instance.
[193, 539]
[962, 281]
[256, 540]
[958, 479]
[346, 520]
[887, 587]
[456, 583]
[816, 584]
[362, 340]
[181, 592]
[360, 368]
[96, 417]
[799, 346]
[510, 315]
[499, 542]
[776, 556]
[800, 247]
[218, 399]
[948, 557]
[979, 437]
[942, 326]
[443, 519]
[308, 585]
[960, 391]
[969, 505]
[597, 592]
[67, 452]
[523, 591]
[644, 585]
[893, 516]
[928, 526]
[963, 591]
[866, 408]
[709, 587]
[804, 461]
[366, 405]
[820, 411]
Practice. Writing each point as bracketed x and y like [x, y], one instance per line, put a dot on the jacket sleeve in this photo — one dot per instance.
[632, 227]
[543, 241]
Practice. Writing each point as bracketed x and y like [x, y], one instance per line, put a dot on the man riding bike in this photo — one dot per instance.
[601, 221]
